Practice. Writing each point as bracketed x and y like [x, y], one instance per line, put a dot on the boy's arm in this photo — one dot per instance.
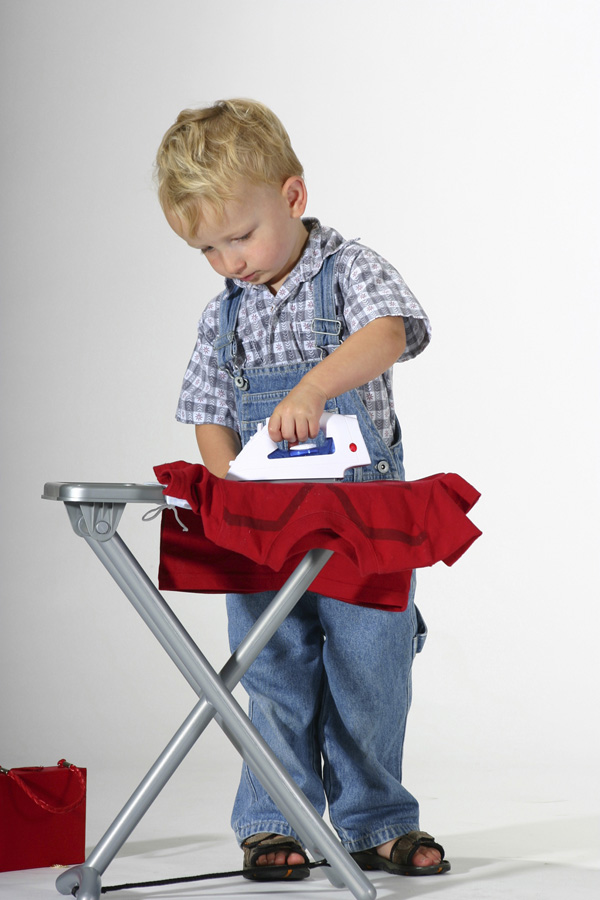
[218, 445]
[363, 356]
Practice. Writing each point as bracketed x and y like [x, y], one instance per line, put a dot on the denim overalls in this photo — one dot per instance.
[331, 691]
[259, 390]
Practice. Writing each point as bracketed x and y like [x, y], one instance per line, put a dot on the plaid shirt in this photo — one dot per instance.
[277, 330]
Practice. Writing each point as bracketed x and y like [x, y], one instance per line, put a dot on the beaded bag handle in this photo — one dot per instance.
[43, 803]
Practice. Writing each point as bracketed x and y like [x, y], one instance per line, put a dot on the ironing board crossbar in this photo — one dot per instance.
[191, 729]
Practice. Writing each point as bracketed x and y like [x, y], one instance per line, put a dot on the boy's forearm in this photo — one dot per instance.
[218, 445]
[363, 356]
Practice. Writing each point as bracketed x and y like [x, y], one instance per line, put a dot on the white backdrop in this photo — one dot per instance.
[459, 139]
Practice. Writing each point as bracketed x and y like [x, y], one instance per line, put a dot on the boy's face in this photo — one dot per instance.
[260, 236]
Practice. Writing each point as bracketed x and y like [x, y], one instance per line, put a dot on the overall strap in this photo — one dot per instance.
[326, 327]
[226, 343]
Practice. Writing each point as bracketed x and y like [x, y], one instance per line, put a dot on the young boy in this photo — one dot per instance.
[306, 322]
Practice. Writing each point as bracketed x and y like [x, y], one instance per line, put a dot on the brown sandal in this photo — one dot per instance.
[265, 842]
[401, 856]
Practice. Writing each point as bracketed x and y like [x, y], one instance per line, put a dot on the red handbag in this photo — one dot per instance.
[42, 816]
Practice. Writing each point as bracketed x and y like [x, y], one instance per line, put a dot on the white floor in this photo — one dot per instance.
[508, 834]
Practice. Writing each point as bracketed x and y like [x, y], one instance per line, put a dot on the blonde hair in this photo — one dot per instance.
[205, 154]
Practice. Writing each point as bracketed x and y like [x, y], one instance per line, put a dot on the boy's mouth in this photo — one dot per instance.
[249, 277]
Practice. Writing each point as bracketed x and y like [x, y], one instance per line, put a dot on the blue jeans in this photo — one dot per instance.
[330, 693]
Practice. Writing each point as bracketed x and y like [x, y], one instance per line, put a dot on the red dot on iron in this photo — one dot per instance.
[353, 448]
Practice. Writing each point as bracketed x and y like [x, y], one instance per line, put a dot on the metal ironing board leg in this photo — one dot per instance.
[216, 700]
[191, 729]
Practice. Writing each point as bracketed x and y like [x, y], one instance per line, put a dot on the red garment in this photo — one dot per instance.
[249, 536]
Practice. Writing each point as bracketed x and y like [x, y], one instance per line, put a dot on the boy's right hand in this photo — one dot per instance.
[297, 417]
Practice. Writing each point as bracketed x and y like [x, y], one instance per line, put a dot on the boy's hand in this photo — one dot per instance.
[297, 417]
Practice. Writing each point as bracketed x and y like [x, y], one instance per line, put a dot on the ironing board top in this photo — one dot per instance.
[103, 492]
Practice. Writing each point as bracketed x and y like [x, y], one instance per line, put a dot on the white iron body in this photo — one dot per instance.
[344, 448]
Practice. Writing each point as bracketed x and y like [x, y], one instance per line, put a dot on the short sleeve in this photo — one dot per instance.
[372, 288]
[207, 396]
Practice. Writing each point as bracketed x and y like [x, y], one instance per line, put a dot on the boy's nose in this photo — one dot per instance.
[235, 264]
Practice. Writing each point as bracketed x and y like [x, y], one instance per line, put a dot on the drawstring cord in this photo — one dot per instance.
[153, 513]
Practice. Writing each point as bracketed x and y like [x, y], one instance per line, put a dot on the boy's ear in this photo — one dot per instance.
[296, 196]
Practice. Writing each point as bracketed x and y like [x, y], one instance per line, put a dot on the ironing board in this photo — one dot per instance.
[95, 510]
[428, 522]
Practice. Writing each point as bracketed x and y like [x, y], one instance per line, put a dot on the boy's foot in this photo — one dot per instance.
[280, 858]
[274, 857]
[423, 856]
[415, 853]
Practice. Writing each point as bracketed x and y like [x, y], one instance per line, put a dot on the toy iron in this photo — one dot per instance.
[341, 447]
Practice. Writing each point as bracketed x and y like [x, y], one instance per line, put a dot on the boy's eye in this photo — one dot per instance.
[206, 250]
[244, 237]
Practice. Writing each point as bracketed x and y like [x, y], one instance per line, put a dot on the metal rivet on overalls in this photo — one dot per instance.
[383, 466]
[241, 382]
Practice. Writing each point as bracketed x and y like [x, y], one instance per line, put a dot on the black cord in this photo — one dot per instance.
[189, 878]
